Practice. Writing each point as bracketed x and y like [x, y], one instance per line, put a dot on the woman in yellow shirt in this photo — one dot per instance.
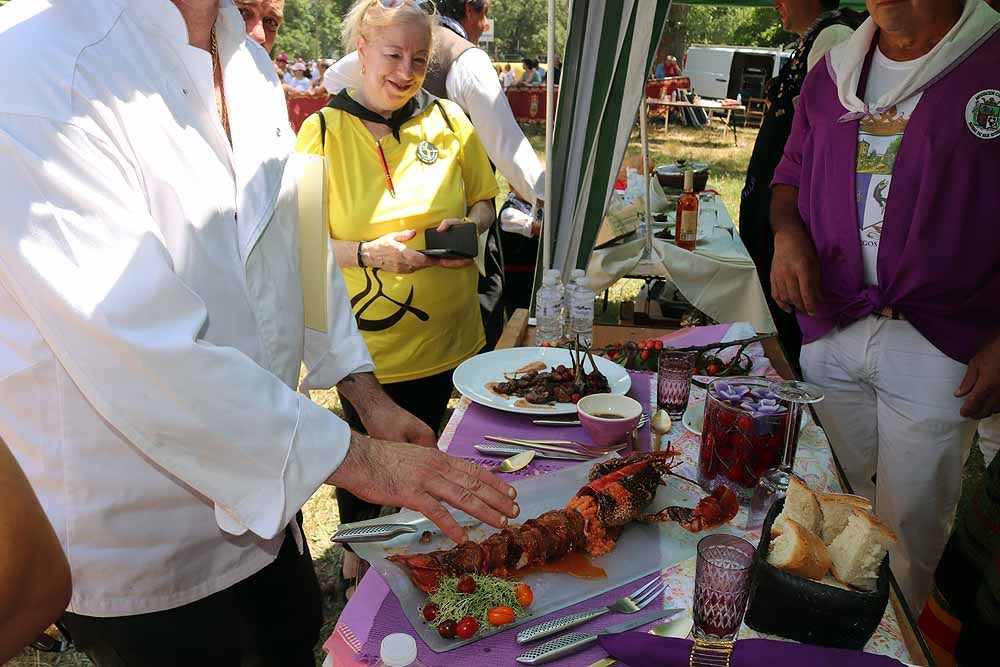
[402, 162]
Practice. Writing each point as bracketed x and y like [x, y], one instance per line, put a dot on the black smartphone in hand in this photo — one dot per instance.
[459, 241]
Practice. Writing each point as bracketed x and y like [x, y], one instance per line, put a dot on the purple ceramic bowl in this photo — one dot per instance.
[608, 418]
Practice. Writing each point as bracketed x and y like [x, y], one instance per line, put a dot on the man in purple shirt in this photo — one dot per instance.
[884, 216]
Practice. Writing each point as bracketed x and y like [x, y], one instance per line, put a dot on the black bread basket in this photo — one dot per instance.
[807, 611]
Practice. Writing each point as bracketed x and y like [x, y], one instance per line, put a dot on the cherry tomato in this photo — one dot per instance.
[616, 344]
[612, 355]
[524, 595]
[447, 629]
[500, 615]
[642, 345]
[466, 584]
[658, 344]
[467, 627]
[645, 354]
[575, 398]
[430, 611]
[713, 368]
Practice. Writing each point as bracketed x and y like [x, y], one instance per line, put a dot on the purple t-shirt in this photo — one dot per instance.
[939, 253]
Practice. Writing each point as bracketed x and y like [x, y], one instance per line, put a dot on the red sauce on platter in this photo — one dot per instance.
[575, 565]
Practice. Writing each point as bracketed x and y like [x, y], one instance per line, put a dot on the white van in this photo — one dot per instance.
[718, 72]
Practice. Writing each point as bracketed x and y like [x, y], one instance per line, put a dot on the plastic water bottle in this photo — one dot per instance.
[568, 301]
[583, 310]
[548, 311]
[398, 650]
[739, 98]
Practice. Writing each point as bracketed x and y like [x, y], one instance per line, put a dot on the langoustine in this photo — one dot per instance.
[618, 493]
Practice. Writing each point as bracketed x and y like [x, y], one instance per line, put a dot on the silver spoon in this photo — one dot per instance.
[517, 462]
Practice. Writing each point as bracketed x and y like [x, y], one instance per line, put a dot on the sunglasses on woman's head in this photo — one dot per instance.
[426, 5]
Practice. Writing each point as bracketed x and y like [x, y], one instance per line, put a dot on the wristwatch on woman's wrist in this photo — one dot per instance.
[361, 257]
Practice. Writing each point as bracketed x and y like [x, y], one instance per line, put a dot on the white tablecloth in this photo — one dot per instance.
[718, 278]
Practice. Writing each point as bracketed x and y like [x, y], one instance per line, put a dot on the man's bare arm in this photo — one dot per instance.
[34, 575]
[795, 277]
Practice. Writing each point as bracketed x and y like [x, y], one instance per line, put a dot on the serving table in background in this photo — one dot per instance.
[374, 611]
[528, 102]
[710, 107]
[718, 278]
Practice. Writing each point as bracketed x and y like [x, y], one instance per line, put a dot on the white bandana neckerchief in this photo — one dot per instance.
[847, 60]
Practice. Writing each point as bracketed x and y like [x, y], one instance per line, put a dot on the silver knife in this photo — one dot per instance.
[511, 450]
[557, 625]
[380, 532]
[573, 642]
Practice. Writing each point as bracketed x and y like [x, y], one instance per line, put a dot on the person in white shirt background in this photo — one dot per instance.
[152, 337]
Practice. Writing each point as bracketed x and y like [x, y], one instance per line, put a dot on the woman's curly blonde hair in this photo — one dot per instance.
[367, 18]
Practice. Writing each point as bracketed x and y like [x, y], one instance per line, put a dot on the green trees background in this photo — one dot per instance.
[312, 27]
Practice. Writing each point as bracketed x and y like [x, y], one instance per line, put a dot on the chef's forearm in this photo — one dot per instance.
[364, 392]
[483, 213]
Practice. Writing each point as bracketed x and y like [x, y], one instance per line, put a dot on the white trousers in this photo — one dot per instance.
[894, 423]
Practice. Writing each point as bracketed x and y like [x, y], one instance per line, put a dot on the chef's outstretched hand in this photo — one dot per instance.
[422, 479]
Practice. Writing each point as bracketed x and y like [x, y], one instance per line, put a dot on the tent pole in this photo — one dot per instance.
[549, 121]
[643, 116]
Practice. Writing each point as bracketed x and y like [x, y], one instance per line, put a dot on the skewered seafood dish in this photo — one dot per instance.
[617, 494]
[538, 386]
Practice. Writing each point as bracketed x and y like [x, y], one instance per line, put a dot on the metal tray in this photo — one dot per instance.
[642, 549]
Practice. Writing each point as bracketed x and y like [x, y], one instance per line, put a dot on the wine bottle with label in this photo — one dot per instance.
[686, 231]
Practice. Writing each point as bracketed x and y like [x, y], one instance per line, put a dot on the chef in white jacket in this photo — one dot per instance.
[151, 336]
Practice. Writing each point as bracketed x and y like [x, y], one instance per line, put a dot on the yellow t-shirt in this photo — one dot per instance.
[422, 323]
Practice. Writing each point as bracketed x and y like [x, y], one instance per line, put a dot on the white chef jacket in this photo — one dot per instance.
[472, 84]
[151, 317]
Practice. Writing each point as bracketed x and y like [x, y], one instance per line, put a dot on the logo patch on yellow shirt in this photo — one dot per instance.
[427, 152]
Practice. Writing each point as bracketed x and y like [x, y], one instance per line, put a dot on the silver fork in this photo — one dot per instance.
[576, 422]
[627, 605]
[567, 445]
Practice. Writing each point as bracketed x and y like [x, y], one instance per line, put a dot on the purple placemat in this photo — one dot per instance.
[498, 650]
[479, 421]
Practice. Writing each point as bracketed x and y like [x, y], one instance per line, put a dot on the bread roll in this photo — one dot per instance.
[837, 508]
[858, 550]
[801, 506]
[799, 551]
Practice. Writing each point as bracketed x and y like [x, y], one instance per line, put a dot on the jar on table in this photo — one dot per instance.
[743, 434]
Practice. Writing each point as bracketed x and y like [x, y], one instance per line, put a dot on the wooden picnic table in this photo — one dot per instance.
[708, 105]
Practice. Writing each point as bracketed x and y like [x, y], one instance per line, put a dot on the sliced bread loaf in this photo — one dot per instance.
[799, 551]
[859, 549]
[801, 506]
[837, 508]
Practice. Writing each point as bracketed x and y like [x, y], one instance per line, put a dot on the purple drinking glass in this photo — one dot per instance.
[673, 381]
[721, 586]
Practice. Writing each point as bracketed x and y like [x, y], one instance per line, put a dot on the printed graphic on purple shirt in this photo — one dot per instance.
[879, 138]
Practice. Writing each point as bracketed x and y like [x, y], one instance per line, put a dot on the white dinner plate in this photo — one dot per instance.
[473, 374]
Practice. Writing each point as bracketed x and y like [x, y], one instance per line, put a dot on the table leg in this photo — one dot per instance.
[666, 122]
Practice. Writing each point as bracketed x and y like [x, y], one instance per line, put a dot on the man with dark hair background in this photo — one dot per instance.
[820, 26]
